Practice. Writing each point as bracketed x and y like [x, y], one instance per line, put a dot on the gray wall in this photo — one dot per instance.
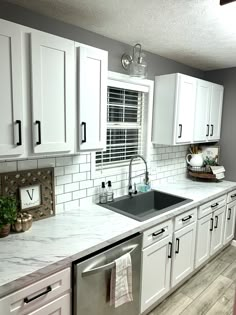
[157, 65]
[227, 77]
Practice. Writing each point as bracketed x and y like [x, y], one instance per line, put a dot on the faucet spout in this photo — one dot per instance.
[130, 188]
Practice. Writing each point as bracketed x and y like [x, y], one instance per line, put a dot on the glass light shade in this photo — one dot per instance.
[138, 69]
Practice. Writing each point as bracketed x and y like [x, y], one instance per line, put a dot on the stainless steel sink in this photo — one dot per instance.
[144, 206]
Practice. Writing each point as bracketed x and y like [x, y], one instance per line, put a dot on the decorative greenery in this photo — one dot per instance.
[211, 161]
[8, 210]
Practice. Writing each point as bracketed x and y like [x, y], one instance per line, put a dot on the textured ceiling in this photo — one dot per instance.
[199, 33]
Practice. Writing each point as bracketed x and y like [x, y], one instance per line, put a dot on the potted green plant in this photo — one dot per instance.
[8, 213]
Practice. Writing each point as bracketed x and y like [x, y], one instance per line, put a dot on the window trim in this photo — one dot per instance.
[122, 80]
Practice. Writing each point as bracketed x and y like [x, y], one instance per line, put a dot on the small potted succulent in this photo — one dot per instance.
[8, 213]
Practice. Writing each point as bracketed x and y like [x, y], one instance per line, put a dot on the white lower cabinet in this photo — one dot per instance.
[218, 229]
[210, 235]
[203, 243]
[229, 222]
[50, 295]
[61, 306]
[183, 253]
[156, 264]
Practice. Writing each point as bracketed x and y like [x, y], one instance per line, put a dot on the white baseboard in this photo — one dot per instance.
[233, 243]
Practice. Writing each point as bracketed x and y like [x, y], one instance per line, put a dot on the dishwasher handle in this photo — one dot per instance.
[88, 272]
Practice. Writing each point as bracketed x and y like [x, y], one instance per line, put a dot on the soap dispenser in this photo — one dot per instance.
[103, 194]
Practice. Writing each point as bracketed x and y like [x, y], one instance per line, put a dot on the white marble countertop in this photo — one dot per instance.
[54, 243]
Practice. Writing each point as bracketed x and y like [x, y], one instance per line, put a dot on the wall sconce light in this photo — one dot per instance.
[135, 64]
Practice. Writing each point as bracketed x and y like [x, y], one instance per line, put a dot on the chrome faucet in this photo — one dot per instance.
[132, 191]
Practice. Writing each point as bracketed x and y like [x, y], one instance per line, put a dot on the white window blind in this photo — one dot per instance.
[125, 114]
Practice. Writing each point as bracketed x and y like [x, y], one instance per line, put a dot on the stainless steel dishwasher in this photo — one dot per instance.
[92, 280]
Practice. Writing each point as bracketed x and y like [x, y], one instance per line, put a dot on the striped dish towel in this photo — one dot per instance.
[121, 281]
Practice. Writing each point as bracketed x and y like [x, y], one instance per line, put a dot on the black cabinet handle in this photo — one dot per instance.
[19, 131]
[212, 224]
[216, 224]
[27, 300]
[170, 250]
[208, 129]
[187, 218]
[212, 130]
[232, 196]
[180, 130]
[229, 216]
[37, 122]
[158, 232]
[177, 246]
[214, 205]
[83, 124]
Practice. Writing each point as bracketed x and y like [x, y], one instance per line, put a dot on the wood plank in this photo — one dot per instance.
[174, 304]
[228, 255]
[209, 297]
[224, 306]
[199, 282]
[230, 272]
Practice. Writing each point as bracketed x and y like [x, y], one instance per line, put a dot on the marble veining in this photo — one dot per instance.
[56, 242]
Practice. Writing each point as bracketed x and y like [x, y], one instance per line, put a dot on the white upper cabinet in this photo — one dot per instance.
[173, 109]
[208, 111]
[186, 110]
[53, 94]
[92, 69]
[12, 142]
[216, 111]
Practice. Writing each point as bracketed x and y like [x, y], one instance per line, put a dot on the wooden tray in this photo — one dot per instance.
[202, 175]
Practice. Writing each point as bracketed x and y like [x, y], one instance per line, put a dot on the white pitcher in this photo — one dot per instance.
[195, 159]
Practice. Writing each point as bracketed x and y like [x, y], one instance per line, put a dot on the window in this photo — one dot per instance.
[127, 104]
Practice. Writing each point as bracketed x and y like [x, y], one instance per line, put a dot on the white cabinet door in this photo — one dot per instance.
[156, 263]
[11, 106]
[53, 80]
[203, 242]
[229, 222]
[60, 306]
[202, 107]
[186, 93]
[92, 98]
[216, 112]
[183, 253]
[218, 229]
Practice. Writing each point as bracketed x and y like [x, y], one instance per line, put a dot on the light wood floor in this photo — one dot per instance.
[211, 291]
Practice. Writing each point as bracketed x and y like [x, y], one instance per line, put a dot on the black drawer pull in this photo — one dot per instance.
[232, 196]
[212, 130]
[27, 300]
[212, 224]
[216, 224]
[158, 233]
[19, 131]
[187, 218]
[208, 129]
[229, 216]
[170, 250]
[180, 130]
[215, 205]
[177, 246]
[38, 122]
[83, 124]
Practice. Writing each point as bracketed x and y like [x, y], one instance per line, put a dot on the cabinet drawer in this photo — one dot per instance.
[231, 196]
[211, 206]
[37, 294]
[157, 233]
[185, 218]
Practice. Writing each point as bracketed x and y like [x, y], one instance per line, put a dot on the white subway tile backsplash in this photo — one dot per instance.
[64, 179]
[71, 187]
[75, 187]
[64, 198]
[27, 164]
[86, 184]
